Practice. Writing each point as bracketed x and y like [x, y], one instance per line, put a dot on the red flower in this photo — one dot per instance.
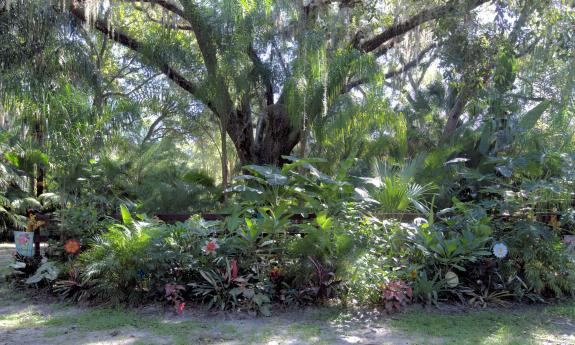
[180, 308]
[210, 247]
[233, 269]
[72, 246]
[275, 273]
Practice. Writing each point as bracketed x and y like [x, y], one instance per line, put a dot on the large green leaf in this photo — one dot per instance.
[265, 171]
[47, 271]
[297, 162]
[126, 216]
[242, 189]
[530, 118]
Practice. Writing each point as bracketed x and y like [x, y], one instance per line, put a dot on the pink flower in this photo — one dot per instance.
[210, 247]
[180, 308]
[22, 239]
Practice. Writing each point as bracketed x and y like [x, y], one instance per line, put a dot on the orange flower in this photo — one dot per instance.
[72, 246]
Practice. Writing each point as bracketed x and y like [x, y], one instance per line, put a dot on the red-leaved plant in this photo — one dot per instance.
[173, 295]
[395, 295]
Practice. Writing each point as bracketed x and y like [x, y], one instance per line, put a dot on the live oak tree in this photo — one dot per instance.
[267, 69]
[277, 74]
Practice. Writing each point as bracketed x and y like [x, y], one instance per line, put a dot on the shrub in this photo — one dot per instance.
[296, 235]
[119, 264]
[395, 295]
[224, 288]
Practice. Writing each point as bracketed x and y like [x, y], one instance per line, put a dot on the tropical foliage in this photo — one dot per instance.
[250, 154]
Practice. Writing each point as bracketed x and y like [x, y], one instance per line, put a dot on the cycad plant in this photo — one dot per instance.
[117, 264]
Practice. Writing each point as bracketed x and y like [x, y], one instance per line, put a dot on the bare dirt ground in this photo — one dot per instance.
[38, 323]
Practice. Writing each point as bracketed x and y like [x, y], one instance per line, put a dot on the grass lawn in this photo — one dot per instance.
[527, 325]
[25, 321]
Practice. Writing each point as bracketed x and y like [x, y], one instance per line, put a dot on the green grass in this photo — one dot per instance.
[502, 327]
[526, 325]
[564, 310]
[103, 319]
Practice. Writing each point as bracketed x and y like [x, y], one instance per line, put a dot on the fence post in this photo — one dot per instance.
[37, 242]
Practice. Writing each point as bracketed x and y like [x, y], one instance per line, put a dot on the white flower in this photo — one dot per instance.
[419, 221]
[500, 250]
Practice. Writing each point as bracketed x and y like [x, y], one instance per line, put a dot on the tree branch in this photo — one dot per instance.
[528, 98]
[168, 5]
[153, 126]
[263, 71]
[183, 27]
[396, 72]
[109, 94]
[456, 111]
[410, 23]
[129, 42]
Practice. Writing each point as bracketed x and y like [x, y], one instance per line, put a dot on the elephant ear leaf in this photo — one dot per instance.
[530, 118]
[297, 162]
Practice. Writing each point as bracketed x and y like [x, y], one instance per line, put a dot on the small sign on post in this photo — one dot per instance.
[24, 243]
[28, 242]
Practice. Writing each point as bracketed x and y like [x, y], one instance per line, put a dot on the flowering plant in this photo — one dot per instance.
[233, 270]
[275, 273]
[500, 250]
[173, 294]
[72, 246]
[210, 247]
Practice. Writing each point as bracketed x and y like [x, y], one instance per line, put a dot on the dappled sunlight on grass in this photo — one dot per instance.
[513, 327]
[322, 326]
[118, 341]
[25, 319]
[505, 335]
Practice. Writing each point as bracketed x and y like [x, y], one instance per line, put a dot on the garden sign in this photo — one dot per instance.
[24, 243]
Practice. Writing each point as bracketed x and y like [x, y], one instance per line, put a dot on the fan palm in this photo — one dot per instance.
[394, 189]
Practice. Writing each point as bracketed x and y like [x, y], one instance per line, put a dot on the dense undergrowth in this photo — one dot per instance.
[296, 236]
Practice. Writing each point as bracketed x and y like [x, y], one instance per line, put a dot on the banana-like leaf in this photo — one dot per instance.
[530, 118]
[126, 216]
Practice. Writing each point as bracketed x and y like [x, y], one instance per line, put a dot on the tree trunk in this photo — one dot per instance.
[40, 170]
[455, 112]
[276, 136]
[224, 158]
[39, 181]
